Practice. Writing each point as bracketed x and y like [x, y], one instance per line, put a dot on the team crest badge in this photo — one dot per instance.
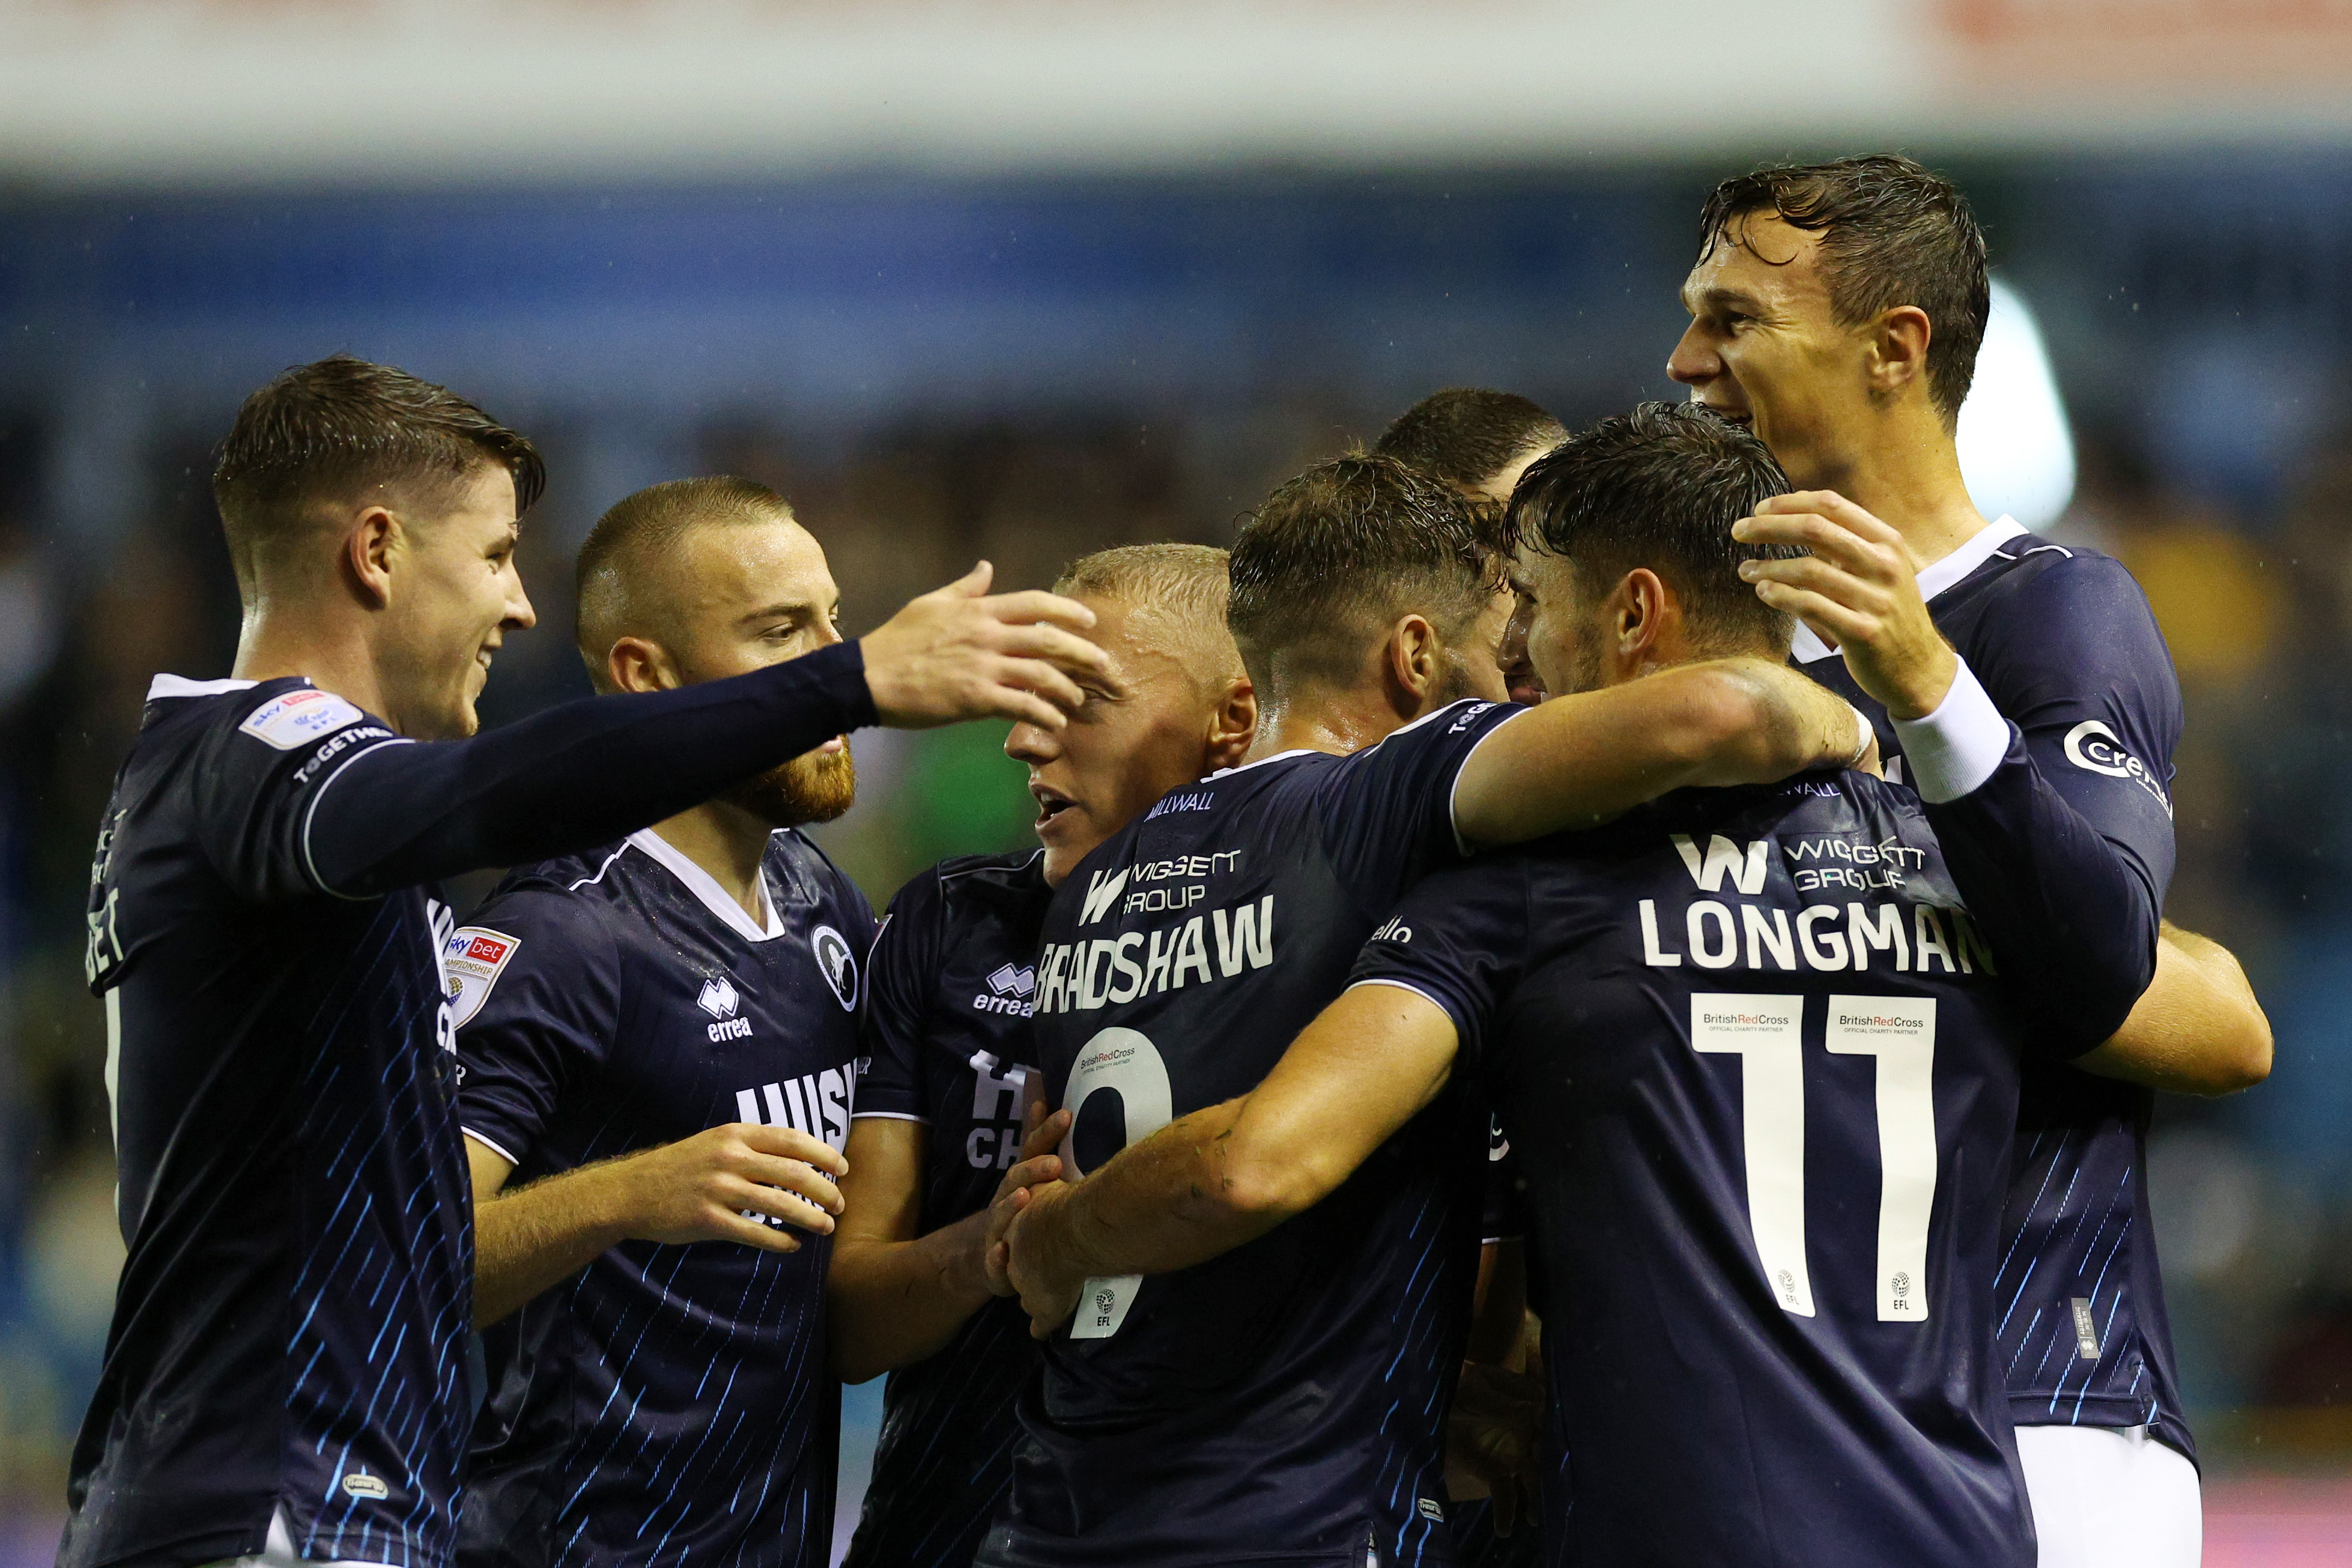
[837, 964]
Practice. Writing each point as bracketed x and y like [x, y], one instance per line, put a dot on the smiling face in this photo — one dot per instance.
[1765, 348]
[738, 597]
[454, 595]
[1143, 730]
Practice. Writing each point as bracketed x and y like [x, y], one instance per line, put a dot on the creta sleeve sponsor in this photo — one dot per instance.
[1458, 940]
[1400, 790]
[900, 975]
[543, 1006]
[2065, 853]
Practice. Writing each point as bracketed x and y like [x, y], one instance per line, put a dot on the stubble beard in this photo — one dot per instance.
[811, 787]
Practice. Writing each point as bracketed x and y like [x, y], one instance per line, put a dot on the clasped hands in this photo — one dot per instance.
[1018, 1249]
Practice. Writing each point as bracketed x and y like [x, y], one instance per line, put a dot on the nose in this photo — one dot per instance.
[520, 616]
[1694, 361]
[1031, 744]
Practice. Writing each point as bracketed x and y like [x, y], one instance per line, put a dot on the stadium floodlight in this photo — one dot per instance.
[2016, 451]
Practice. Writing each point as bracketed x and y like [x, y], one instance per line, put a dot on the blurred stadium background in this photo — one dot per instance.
[1022, 278]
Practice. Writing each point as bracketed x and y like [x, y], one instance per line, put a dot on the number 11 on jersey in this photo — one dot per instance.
[1766, 1033]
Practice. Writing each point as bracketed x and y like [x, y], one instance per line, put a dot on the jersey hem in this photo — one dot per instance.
[490, 1145]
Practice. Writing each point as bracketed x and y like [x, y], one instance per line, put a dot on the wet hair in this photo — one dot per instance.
[343, 429]
[1892, 233]
[1466, 436]
[1660, 488]
[1183, 589]
[1335, 556]
[619, 578]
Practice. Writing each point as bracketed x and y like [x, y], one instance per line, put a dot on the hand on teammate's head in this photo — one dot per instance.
[959, 653]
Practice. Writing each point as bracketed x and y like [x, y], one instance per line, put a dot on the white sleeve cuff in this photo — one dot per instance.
[1954, 750]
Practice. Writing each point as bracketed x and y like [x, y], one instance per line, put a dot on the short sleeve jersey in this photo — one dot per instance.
[2064, 644]
[289, 1329]
[1291, 1394]
[945, 1023]
[1760, 1081]
[668, 1402]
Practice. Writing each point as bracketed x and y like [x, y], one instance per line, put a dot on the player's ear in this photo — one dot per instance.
[1233, 724]
[636, 664]
[1898, 350]
[370, 547]
[1640, 610]
[1416, 655]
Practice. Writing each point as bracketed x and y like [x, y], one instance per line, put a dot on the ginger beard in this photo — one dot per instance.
[815, 786]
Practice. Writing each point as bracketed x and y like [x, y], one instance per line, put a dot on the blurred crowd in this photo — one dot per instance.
[2253, 1196]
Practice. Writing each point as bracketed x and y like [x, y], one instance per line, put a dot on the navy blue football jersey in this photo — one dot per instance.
[289, 1329]
[1762, 1104]
[945, 1025]
[667, 1403]
[2064, 643]
[1285, 1403]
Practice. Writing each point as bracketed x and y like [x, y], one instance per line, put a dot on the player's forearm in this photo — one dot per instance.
[1580, 760]
[2072, 921]
[1167, 1203]
[2197, 1028]
[573, 777]
[890, 1304]
[537, 1236]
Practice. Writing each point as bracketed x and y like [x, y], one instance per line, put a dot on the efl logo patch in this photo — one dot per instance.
[836, 963]
[299, 719]
[472, 958]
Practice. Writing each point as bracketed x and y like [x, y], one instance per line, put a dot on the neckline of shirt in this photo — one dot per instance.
[1934, 579]
[1311, 751]
[180, 686]
[705, 888]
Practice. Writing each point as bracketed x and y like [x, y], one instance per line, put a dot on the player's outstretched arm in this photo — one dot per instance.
[2196, 1029]
[391, 815]
[1210, 1181]
[712, 1186]
[894, 1294]
[1580, 760]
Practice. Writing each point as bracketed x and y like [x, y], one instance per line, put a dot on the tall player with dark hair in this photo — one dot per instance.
[1708, 1040]
[657, 1049]
[284, 1375]
[1286, 1404]
[2022, 686]
[939, 1127]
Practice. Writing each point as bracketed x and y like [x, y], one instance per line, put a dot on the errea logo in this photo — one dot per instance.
[358, 1483]
[720, 1000]
[1009, 991]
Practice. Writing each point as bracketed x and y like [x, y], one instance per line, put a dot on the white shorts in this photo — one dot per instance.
[277, 1552]
[2111, 1496]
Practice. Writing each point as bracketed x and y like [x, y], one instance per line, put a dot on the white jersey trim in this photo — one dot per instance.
[705, 888]
[180, 686]
[1981, 547]
[888, 1117]
[491, 1144]
[310, 814]
[1454, 788]
[1405, 985]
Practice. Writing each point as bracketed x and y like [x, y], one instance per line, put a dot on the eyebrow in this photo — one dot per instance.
[794, 608]
[1717, 295]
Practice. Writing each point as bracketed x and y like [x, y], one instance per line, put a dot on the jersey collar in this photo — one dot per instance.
[163, 686]
[705, 887]
[1933, 580]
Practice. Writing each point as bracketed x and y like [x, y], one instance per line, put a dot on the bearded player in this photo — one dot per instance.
[658, 1047]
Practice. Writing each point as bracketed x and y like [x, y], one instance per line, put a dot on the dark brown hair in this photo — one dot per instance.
[335, 428]
[1334, 557]
[1466, 436]
[1892, 233]
[1660, 488]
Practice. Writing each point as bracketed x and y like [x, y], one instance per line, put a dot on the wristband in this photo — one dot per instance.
[1950, 752]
